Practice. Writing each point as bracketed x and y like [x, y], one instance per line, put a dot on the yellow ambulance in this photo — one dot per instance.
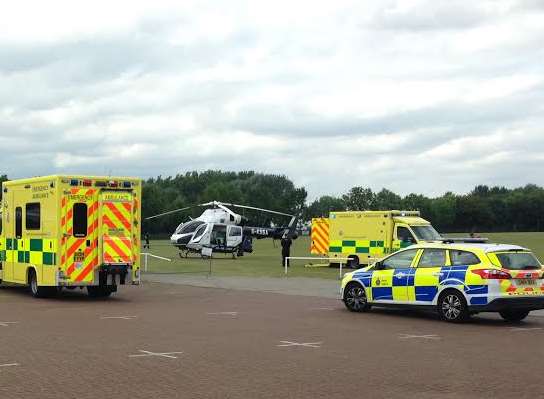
[364, 236]
[71, 231]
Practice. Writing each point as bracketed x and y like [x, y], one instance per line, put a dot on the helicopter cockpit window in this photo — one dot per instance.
[190, 227]
[235, 231]
[200, 232]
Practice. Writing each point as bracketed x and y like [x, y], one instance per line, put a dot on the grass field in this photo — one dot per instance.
[266, 258]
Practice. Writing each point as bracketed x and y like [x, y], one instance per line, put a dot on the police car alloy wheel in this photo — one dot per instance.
[452, 307]
[355, 298]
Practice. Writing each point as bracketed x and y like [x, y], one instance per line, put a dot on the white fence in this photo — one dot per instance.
[340, 260]
[146, 255]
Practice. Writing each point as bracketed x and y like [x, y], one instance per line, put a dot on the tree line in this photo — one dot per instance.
[483, 209]
[269, 191]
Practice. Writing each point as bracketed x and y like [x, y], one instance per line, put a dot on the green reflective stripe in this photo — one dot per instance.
[376, 248]
[36, 245]
[49, 258]
[23, 256]
[30, 251]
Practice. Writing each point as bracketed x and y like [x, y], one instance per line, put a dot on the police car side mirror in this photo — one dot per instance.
[378, 266]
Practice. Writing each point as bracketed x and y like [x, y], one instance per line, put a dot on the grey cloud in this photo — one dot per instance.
[430, 16]
[99, 77]
[531, 5]
[457, 117]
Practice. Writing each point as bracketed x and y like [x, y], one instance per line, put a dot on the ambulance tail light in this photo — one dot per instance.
[87, 183]
[492, 274]
[113, 183]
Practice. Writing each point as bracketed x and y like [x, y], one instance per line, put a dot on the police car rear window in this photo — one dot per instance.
[463, 258]
[519, 261]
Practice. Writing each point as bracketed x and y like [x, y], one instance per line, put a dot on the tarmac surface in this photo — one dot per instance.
[175, 341]
[305, 286]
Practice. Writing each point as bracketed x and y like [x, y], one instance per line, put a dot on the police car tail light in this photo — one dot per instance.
[492, 274]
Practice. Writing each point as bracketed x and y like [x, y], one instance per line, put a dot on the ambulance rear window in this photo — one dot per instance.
[18, 222]
[32, 221]
[80, 220]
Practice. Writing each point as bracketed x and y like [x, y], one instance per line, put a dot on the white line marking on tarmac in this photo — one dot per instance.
[305, 344]
[118, 317]
[321, 308]
[10, 365]
[515, 329]
[149, 354]
[410, 336]
[223, 314]
[7, 323]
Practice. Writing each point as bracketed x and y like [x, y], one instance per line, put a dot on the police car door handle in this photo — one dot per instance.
[438, 274]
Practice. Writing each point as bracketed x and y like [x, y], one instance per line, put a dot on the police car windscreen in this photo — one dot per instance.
[518, 261]
[426, 233]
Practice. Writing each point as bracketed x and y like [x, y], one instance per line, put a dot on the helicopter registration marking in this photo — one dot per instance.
[262, 232]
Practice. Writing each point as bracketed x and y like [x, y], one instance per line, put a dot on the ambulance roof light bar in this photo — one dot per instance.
[405, 213]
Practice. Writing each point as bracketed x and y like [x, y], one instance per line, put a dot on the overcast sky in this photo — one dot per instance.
[427, 96]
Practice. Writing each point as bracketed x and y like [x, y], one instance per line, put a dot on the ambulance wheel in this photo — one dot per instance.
[514, 316]
[98, 292]
[452, 307]
[355, 298]
[353, 262]
[35, 289]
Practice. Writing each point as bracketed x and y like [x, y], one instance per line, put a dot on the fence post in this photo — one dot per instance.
[286, 261]
[145, 261]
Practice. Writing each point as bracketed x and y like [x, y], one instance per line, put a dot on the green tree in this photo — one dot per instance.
[323, 205]
[359, 199]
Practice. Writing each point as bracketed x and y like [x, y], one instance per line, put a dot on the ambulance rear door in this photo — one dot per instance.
[79, 222]
[116, 227]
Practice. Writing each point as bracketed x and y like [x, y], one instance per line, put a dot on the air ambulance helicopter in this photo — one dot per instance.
[224, 231]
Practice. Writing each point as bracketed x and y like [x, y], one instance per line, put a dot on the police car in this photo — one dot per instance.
[457, 280]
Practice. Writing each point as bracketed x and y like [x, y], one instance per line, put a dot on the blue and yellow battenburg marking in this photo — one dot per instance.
[421, 284]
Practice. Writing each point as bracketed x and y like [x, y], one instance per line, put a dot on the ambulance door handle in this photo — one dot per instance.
[88, 243]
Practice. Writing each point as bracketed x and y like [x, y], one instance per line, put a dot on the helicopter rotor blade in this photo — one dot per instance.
[175, 211]
[258, 209]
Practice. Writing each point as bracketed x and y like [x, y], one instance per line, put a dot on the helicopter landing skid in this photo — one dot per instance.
[234, 252]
